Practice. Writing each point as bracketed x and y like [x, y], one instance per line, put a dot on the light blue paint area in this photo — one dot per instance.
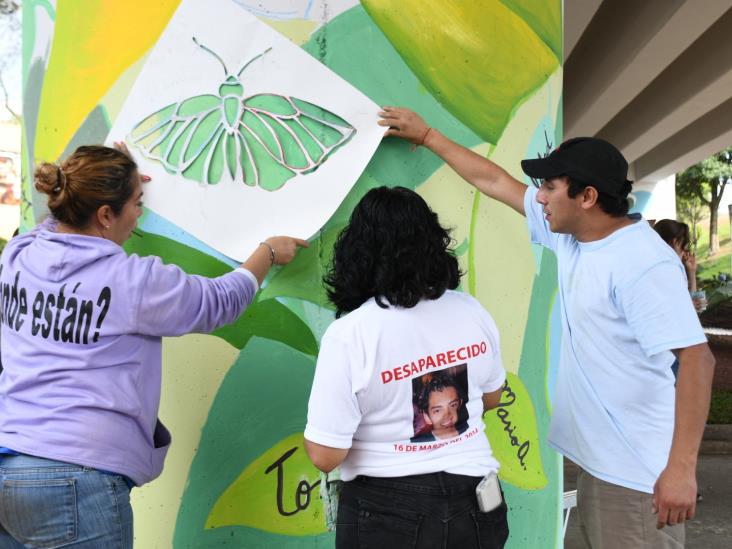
[554, 334]
[153, 223]
[273, 14]
[641, 199]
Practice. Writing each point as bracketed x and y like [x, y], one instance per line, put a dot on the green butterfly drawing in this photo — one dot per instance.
[262, 140]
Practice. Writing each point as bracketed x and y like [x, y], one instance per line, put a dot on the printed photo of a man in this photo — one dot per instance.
[439, 404]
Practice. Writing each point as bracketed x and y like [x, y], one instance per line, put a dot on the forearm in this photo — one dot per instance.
[491, 400]
[693, 395]
[259, 263]
[485, 175]
[324, 458]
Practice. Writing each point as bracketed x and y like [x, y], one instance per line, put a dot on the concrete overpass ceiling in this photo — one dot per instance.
[645, 75]
[577, 15]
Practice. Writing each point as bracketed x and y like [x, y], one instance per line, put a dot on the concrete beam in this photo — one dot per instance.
[577, 15]
[624, 48]
[698, 81]
[702, 138]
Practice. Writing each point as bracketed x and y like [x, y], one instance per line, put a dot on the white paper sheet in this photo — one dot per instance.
[231, 216]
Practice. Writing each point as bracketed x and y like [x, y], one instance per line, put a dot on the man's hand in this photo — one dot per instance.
[674, 496]
[405, 124]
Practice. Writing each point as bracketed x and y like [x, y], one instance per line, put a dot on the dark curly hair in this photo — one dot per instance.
[393, 249]
[439, 381]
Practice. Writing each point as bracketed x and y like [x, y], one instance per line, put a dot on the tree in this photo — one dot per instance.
[689, 209]
[706, 181]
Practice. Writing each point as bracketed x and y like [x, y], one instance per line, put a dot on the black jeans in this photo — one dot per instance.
[437, 510]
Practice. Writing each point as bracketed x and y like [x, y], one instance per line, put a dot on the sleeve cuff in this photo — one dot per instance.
[327, 439]
[250, 276]
[495, 384]
[678, 344]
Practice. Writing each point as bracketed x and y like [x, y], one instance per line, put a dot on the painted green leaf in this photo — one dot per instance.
[544, 17]
[512, 431]
[270, 319]
[250, 500]
[303, 278]
[189, 259]
[266, 318]
[480, 60]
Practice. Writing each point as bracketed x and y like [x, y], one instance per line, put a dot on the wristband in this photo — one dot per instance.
[271, 252]
[421, 141]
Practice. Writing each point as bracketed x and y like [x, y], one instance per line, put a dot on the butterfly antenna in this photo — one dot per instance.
[252, 61]
[226, 71]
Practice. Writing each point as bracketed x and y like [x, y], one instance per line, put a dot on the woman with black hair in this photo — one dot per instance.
[401, 385]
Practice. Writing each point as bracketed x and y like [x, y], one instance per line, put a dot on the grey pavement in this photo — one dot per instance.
[712, 526]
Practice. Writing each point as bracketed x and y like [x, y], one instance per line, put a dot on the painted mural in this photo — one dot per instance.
[488, 75]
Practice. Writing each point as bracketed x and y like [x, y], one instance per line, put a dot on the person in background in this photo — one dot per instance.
[392, 281]
[82, 328]
[625, 313]
[676, 235]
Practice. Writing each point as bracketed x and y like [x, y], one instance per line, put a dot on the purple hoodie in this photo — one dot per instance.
[82, 324]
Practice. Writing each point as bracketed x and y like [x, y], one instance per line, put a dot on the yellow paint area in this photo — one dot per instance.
[193, 368]
[478, 59]
[94, 42]
[297, 30]
[512, 431]
[282, 499]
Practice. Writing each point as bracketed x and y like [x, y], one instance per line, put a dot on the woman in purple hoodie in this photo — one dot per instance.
[82, 325]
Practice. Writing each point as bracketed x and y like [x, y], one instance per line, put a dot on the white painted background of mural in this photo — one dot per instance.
[230, 216]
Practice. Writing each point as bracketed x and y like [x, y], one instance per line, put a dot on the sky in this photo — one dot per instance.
[10, 48]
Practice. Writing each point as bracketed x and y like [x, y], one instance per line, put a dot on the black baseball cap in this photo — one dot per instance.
[588, 159]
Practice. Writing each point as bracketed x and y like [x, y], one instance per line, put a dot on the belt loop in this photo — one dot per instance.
[441, 482]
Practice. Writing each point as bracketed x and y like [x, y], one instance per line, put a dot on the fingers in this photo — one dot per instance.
[662, 518]
[302, 243]
[121, 146]
[145, 178]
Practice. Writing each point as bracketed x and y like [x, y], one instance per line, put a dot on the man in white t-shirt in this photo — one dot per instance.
[625, 312]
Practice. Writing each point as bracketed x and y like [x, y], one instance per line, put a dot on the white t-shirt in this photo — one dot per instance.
[402, 388]
[624, 306]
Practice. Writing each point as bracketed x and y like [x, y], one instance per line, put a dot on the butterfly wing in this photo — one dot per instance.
[187, 138]
[283, 136]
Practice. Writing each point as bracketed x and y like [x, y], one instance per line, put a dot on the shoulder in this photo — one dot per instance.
[639, 261]
[455, 298]
[643, 250]
[344, 327]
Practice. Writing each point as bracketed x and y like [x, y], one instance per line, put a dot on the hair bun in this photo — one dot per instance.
[49, 178]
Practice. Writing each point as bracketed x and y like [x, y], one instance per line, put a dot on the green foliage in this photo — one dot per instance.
[707, 178]
[703, 185]
[2, 244]
[720, 412]
[690, 210]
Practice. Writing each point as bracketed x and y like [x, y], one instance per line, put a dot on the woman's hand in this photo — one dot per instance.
[689, 261]
[276, 250]
[405, 124]
[285, 248]
[121, 146]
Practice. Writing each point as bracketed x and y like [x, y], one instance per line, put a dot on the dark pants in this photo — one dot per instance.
[437, 510]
